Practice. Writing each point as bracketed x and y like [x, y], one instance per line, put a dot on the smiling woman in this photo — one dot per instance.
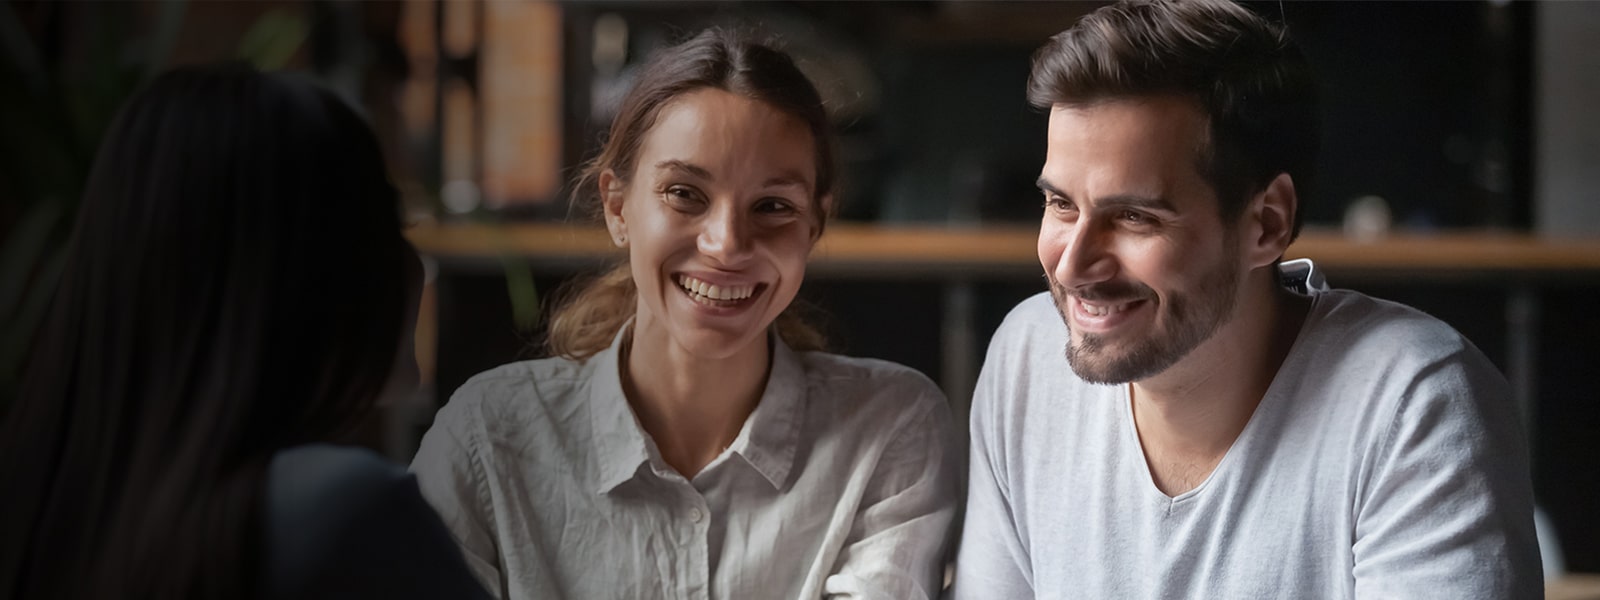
[762, 78]
[689, 435]
[717, 235]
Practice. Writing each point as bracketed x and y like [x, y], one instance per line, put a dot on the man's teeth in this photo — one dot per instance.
[1102, 310]
[715, 292]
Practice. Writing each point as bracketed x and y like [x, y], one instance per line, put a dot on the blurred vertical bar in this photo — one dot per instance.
[1566, 184]
[459, 124]
[1522, 345]
[961, 350]
[418, 99]
[418, 108]
[459, 148]
[521, 102]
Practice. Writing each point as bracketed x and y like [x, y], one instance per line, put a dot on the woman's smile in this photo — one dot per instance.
[719, 295]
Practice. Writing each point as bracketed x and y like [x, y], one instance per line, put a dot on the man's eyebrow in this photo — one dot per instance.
[1137, 201]
[1118, 200]
[678, 165]
[788, 178]
[1044, 186]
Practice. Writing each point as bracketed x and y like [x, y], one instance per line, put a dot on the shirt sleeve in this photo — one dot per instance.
[900, 540]
[993, 560]
[1448, 509]
[451, 476]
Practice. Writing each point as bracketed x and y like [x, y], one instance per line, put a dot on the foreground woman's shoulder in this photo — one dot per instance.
[320, 473]
[342, 521]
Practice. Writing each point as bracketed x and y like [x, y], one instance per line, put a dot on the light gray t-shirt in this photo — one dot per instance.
[843, 482]
[1385, 461]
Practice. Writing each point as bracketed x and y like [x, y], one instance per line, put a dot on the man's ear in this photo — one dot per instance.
[1269, 222]
[611, 189]
[824, 208]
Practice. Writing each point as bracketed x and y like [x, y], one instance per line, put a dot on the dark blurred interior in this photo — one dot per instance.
[1474, 116]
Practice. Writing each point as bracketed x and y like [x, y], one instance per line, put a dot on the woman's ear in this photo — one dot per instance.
[1269, 222]
[611, 192]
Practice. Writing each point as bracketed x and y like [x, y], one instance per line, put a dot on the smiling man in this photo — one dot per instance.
[1170, 420]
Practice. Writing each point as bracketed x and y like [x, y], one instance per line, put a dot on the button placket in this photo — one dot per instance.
[697, 583]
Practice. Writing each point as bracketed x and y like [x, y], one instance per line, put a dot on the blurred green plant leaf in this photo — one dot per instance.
[53, 117]
[168, 24]
[24, 249]
[523, 294]
[18, 336]
[24, 57]
[272, 40]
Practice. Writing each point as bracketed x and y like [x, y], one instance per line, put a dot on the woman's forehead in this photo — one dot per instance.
[718, 135]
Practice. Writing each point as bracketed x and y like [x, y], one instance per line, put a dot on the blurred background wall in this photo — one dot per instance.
[1471, 116]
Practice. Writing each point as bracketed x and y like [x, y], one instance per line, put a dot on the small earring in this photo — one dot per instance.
[621, 239]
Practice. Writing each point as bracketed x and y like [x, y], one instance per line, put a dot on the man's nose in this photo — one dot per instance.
[1088, 258]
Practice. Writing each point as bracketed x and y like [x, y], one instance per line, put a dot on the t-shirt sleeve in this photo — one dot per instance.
[993, 560]
[344, 523]
[452, 479]
[1447, 509]
[900, 540]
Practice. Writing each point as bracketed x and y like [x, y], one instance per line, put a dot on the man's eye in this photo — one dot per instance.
[1057, 203]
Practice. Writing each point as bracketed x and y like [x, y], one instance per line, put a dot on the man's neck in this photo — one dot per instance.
[1191, 414]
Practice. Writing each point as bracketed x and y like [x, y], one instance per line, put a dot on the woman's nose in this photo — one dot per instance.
[725, 236]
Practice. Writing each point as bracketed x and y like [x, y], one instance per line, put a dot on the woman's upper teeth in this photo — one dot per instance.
[715, 292]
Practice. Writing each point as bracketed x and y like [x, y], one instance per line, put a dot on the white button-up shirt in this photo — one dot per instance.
[842, 483]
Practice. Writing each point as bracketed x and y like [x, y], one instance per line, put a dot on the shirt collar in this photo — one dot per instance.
[771, 436]
[619, 440]
[768, 441]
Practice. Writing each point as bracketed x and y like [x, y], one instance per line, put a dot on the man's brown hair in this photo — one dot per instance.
[1242, 70]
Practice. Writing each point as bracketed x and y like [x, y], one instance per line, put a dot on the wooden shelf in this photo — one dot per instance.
[1573, 586]
[1009, 251]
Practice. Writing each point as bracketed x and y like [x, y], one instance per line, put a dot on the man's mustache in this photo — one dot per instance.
[1102, 292]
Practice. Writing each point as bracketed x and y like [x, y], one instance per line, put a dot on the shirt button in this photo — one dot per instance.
[695, 515]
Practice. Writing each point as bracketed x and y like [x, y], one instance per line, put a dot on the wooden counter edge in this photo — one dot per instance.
[1015, 246]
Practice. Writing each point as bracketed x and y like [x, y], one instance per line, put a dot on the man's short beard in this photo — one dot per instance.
[1191, 320]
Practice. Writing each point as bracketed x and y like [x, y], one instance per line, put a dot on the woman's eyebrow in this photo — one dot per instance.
[678, 165]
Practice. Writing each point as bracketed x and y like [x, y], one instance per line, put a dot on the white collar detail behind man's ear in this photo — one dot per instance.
[1301, 276]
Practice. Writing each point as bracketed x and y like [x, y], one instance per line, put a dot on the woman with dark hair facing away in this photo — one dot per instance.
[237, 293]
[689, 439]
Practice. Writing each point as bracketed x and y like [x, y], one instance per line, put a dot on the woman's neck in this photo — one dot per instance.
[693, 407]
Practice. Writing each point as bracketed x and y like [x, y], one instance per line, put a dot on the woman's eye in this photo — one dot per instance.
[682, 196]
[775, 206]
